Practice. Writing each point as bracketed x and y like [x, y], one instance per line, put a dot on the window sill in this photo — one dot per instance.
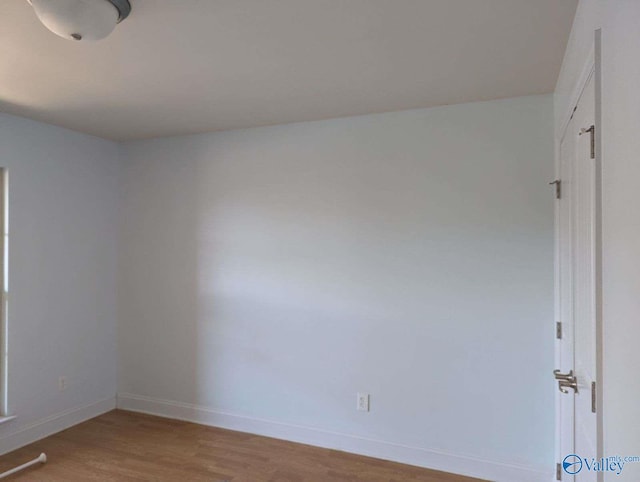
[7, 418]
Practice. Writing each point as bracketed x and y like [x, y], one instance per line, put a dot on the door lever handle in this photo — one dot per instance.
[566, 380]
[563, 376]
[564, 384]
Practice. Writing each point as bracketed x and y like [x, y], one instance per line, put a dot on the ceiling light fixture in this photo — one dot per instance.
[81, 19]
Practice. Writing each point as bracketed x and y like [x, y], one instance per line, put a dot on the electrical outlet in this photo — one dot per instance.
[62, 384]
[363, 402]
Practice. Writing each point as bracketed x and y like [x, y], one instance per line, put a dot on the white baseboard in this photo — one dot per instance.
[53, 424]
[421, 457]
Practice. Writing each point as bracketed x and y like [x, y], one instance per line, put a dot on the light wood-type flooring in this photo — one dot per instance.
[127, 446]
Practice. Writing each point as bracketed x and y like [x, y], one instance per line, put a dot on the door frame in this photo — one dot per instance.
[591, 68]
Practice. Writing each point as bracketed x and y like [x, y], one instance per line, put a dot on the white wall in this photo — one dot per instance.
[269, 274]
[619, 22]
[621, 228]
[62, 280]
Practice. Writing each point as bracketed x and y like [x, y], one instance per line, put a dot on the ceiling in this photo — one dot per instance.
[186, 66]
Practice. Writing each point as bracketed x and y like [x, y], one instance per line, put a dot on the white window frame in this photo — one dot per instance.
[4, 285]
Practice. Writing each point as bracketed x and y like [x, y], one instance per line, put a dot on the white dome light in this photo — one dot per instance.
[81, 19]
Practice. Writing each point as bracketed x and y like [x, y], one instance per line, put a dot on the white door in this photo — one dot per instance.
[577, 291]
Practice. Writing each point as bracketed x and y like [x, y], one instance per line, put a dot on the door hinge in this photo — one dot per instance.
[591, 130]
[593, 397]
[558, 184]
[558, 471]
[558, 330]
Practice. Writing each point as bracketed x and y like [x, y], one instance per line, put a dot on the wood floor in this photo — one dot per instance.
[126, 446]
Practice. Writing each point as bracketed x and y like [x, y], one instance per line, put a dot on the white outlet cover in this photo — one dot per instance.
[362, 404]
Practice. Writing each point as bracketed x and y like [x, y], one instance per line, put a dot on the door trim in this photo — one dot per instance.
[598, 249]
